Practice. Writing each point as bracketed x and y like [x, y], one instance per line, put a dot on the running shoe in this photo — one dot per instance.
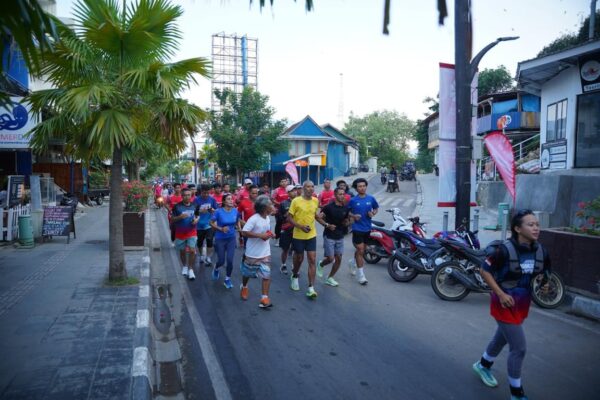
[208, 262]
[265, 303]
[185, 271]
[331, 282]
[215, 274]
[310, 293]
[191, 275]
[283, 269]
[513, 397]
[320, 269]
[294, 285]
[362, 279]
[228, 284]
[244, 292]
[352, 266]
[485, 374]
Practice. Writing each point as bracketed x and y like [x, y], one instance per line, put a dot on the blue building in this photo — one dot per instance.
[318, 152]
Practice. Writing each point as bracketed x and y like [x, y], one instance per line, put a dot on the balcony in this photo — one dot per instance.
[518, 121]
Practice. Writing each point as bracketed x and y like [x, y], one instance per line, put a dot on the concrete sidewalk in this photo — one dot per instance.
[65, 335]
[429, 212]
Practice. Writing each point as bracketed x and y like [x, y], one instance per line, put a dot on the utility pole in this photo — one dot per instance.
[465, 70]
[592, 20]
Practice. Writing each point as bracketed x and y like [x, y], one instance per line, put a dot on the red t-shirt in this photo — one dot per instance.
[174, 199]
[279, 196]
[326, 197]
[218, 198]
[243, 194]
[246, 209]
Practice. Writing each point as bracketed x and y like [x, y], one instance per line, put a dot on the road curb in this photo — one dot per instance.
[142, 370]
[582, 305]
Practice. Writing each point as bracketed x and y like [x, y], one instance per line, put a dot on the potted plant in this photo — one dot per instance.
[574, 250]
[135, 197]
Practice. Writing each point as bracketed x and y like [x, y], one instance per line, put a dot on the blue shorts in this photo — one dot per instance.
[256, 268]
[184, 244]
[332, 247]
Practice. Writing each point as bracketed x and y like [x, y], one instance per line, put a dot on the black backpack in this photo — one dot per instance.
[513, 256]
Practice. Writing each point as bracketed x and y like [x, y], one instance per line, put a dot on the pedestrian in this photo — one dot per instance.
[218, 194]
[508, 272]
[285, 238]
[246, 208]
[227, 188]
[335, 219]
[327, 195]
[265, 190]
[244, 192]
[207, 206]
[279, 196]
[257, 255]
[192, 188]
[185, 217]
[173, 199]
[344, 186]
[302, 214]
[362, 207]
[225, 221]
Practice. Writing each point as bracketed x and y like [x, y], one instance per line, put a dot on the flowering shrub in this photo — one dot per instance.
[136, 195]
[589, 217]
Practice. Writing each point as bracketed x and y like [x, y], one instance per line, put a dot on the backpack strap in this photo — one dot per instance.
[539, 259]
[513, 256]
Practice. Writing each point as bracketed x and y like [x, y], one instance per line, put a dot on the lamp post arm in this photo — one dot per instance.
[475, 61]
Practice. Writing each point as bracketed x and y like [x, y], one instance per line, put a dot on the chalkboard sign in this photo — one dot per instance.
[58, 221]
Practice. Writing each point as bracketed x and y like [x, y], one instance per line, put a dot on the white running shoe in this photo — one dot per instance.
[191, 275]
[185, 271]
[294, 285]
[362, 279]
[352, 266]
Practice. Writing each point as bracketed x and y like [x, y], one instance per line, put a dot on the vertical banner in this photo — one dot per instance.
[501, 152]
[290, 168]
[447, 135]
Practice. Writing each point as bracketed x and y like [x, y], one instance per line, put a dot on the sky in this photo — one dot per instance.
[302, 54]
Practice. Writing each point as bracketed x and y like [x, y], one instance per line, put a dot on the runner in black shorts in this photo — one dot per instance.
[286, 228]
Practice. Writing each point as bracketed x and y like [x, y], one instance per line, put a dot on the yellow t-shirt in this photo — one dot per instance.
[303, 211]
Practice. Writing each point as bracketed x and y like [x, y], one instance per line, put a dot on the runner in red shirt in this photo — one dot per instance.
[279, 196]
[174, 199]
[245, 192]
[246, 207]
[218, 194]
[327, 195]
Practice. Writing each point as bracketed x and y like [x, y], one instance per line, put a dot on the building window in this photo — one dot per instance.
[556, 121]
[588, 131]
[297, 148]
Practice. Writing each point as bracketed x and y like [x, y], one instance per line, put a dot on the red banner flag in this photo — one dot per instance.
[290, 168]
[502, 153]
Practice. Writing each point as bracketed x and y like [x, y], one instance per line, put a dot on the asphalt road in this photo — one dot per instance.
[386, 340]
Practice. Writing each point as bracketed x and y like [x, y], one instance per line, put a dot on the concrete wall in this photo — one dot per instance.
[556, 194]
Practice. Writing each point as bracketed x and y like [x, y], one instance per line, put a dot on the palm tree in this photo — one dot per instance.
[114, 89]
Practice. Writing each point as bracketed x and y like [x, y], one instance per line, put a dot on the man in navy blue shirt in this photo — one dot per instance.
[207, 206]
[362, 207]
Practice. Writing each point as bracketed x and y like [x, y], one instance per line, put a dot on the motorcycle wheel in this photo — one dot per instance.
[370, 255]
[100, 200]
[555, 294]
[446, 287]
[400, 272]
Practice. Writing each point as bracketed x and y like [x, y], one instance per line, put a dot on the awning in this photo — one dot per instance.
[317, 159]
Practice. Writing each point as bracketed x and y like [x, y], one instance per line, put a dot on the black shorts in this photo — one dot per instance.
[285, 240]
[359, 237]
[207, 234]
[302, 245]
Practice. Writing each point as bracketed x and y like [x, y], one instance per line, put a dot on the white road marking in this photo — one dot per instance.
[141, 357]
[144, 291]
[142, 319]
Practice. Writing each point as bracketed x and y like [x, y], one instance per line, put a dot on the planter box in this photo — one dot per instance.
[134, 230]
[576, 257]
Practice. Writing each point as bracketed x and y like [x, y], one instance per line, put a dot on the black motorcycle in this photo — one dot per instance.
[383, 178]
[454, 279]
[392, 184]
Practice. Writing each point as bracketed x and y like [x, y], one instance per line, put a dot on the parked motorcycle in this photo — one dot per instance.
[407, 174]
[70, 200]
[454, 279]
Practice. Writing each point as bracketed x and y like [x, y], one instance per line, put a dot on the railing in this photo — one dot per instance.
[527, 120]
[486, 168]
[9, 222]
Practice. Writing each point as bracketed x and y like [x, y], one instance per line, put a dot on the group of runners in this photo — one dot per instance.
[213, 215]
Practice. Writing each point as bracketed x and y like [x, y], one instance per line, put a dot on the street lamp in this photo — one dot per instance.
[465, 70]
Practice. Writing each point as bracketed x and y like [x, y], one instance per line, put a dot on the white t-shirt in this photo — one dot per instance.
[255, 247]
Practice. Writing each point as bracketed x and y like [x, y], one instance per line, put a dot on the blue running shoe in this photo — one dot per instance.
[228, 283]
[215, 274]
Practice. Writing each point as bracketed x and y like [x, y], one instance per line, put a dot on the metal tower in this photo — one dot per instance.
[235, 64]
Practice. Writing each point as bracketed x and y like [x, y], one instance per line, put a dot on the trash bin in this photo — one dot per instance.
[501, 208]
[25, 231]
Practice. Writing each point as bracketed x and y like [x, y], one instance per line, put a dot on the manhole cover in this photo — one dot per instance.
[95, 241]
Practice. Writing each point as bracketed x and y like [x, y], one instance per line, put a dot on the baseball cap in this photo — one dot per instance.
[247, 181]
[298, 186]
[289, 188]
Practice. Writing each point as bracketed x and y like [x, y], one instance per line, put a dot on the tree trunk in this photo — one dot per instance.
[116, 261]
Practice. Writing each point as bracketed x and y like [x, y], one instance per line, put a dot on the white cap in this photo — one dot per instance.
[247, 181]
[289, 188]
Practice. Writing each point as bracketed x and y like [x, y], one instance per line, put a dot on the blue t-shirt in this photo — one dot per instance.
[225, 218]
[361, 206]
[205, 204]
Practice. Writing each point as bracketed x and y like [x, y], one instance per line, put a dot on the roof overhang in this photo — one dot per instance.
[302, 157]
[532, 74]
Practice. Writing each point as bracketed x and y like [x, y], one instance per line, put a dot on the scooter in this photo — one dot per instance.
[383, 179]
[392, 184]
